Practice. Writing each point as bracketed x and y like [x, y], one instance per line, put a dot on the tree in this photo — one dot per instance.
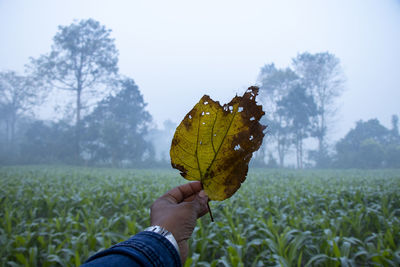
[275, 84]
[161, 141]
[322, 75]
[17, 95]
[115, 130]
[395, 126]
[393, 151]
[366, 146]
[47, 142]
[82, 57]
[299, 110]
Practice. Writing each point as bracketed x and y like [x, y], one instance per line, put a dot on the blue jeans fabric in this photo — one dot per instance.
[143, 249]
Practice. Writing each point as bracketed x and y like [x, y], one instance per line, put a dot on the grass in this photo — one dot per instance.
[59, 216]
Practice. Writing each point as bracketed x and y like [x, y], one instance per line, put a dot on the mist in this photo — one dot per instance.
[199, 133]
[173, 53]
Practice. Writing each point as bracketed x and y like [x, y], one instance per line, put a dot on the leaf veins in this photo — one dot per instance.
[219, 140]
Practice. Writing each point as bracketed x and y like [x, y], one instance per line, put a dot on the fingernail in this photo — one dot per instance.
[202, 194]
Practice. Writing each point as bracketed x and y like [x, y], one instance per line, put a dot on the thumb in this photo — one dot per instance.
[200, 203]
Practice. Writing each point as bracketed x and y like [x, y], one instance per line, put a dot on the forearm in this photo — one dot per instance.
[143, 249]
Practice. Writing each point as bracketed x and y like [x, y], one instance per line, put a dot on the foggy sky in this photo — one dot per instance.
[176, 51]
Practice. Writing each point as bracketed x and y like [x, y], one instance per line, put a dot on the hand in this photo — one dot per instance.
[177, 211]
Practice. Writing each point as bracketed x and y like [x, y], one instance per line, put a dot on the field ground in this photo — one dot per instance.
[54, 216]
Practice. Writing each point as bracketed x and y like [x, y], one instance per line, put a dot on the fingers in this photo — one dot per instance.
[191, 194]
[183, 192]
[200, 203]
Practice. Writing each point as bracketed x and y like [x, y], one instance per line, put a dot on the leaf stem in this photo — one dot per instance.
[209, 209]
[208, 206]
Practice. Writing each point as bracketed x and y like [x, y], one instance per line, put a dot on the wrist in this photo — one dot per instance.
[165, 233]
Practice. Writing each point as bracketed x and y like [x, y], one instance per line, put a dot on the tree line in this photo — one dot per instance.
[105, 122]
[83, 62]
[300, 103]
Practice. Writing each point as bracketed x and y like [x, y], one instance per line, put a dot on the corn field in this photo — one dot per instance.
[60, 216]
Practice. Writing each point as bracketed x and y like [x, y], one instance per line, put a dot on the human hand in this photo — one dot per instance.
[177, 211]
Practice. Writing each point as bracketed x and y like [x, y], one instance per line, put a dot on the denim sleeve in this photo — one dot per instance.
[143, 249]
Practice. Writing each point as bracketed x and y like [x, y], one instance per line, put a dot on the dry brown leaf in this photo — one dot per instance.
[214, 144]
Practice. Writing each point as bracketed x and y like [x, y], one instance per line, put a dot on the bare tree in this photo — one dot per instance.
[322, 75]
[18, 94]
[82, 57]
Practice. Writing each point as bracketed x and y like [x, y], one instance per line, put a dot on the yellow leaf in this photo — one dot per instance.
[214, 144]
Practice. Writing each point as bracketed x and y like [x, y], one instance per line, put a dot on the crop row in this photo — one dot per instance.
[61, 215]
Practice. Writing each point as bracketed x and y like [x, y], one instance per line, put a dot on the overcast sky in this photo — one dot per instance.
[176, 51]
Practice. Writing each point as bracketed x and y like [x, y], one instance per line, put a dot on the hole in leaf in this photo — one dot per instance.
[190, 116]
[251, 137]
[201, 142]
[240, 109]
[205, 102]
[202, 114]
[230, 108]
[252, 118]
[207, 113]
[203, 123]
[237, 147]
[215, 134]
